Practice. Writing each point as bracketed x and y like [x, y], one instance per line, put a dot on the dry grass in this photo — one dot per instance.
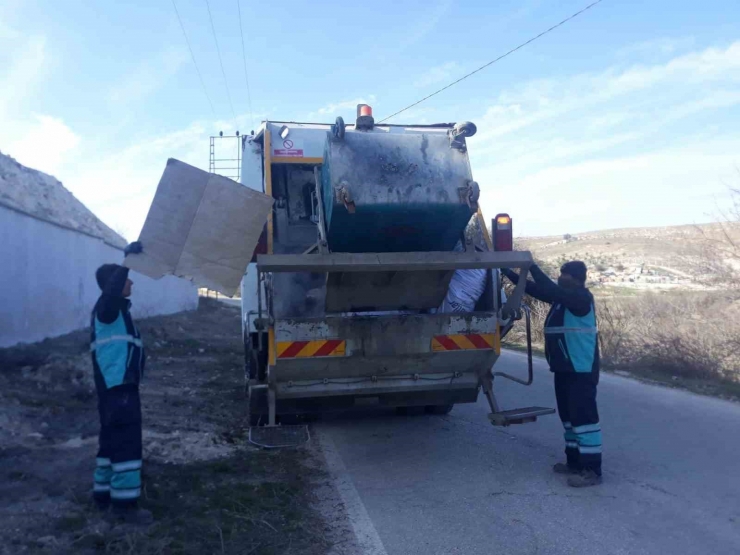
[250, 503]
[688, 336]
[209, 490]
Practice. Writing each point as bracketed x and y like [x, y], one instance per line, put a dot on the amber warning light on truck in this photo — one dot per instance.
[503, 237]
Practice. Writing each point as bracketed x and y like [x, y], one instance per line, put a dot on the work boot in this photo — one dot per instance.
[132, 515]
[584, 479]
[563, 468]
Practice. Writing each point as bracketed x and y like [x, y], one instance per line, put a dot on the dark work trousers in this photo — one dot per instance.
[576, 398]
[118, 464]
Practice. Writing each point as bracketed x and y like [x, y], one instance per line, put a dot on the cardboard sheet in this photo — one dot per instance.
[201, 226]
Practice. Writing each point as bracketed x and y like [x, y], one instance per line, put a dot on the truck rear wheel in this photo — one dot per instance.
[255, 361]
[440, 410]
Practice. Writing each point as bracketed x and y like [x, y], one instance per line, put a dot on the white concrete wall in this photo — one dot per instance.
[47, 281]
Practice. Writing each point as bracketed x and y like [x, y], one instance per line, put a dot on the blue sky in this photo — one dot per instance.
[627, 116]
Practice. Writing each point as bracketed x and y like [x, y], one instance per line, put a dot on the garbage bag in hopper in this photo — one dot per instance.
[466, 287]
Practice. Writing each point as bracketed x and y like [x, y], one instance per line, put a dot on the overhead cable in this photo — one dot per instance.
[244, 57]
[481, 68]
[200, 77]
[220, 61]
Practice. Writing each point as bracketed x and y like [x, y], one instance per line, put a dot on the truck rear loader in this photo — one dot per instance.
[343, 303]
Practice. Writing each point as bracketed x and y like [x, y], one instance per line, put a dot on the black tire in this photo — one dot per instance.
[439, 410]
[339, 128]
[261, 361]
[249, 371]
[252, 365]
[255, 362]
[409, 411]
[465, 129]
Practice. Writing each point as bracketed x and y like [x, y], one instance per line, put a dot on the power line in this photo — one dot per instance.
[244, 57]
[200, 77]
[543, 33]
[220, 61]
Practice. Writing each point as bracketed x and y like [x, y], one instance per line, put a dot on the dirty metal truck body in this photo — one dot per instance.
[340, 302]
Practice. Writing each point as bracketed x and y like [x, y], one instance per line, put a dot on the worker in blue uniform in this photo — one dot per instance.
[572, 351]
[118, 363]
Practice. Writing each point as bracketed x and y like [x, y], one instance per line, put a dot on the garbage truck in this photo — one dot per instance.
[375, 281]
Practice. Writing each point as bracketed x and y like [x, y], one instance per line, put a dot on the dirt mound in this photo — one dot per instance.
[658, 258]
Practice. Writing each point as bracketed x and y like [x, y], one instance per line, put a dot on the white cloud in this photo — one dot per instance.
[658, 46]
[670, 187]
[605, 149]
[338, 108]
[437, 74]
[119, 186]
[8, 11]
[115, 184]
[6, 31]
[538, 101]
[21, 62]
[148, 76]
[43, 143]
[420, 27]
[37, 140]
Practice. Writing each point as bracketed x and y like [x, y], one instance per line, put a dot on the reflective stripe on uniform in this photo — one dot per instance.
[592, 439]
[126, 466]
[126, 480]
[116, 338]
[102, 474]
[586, 428]
[132, 493]
[561, 329]
[589, 450]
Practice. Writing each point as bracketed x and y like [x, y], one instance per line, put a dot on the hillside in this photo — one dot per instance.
[681, 257]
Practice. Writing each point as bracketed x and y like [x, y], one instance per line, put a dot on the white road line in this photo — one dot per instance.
[367, 537]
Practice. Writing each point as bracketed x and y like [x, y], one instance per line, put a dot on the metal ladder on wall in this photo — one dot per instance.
[230, 164]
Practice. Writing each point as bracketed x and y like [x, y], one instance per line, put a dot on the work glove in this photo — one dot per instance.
[133, 248]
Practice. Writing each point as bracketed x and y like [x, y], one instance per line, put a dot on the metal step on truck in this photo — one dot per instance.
[349, 300]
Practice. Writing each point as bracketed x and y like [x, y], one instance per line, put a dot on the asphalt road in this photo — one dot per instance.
[455, 484]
